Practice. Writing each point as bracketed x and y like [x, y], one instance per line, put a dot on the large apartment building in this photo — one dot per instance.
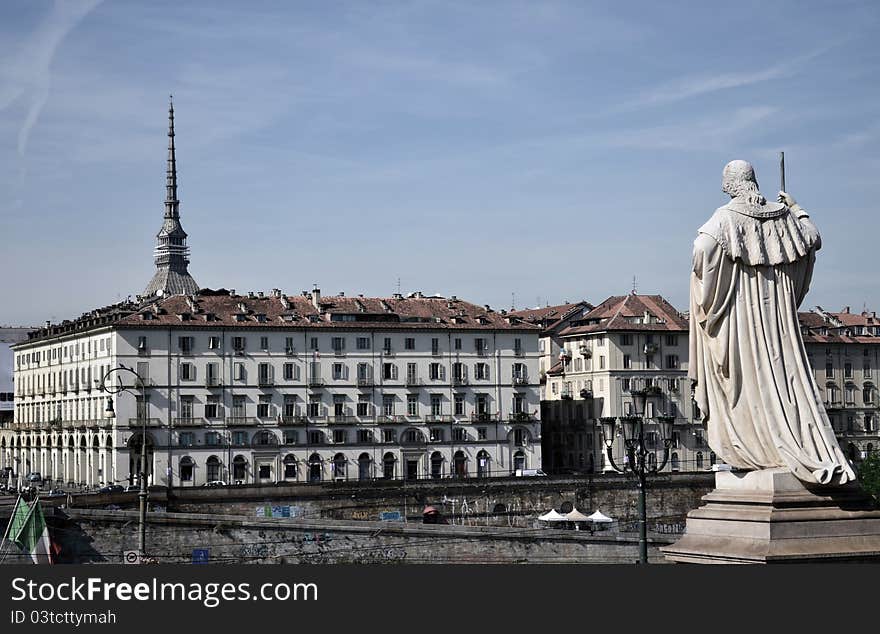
[626, 343]
[844, 351]
[274, 388]
[552, 320]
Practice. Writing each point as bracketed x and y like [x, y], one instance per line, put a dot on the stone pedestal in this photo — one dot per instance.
[770, 516]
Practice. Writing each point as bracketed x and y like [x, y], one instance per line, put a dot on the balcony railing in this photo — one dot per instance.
[342, 418]
[459, 380]
[436, 352]
[520, 380]
[292, 420]
[241, 420]
[387, 352]
[265, 381]
[139, 422]
[483, 417]
[365, 381]
[316, 381]
[212, 381]
[522, 417]
[413, 381]
[188, 422]
[438, 418]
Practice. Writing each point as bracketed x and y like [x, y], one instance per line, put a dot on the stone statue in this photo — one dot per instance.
[752, 266]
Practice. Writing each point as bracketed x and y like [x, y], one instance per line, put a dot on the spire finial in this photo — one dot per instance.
[172, 205]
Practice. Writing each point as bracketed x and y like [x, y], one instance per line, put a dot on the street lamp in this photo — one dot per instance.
[637, 452]
[142, 472]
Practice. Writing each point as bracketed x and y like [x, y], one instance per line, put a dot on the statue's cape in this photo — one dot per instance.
[761, 235]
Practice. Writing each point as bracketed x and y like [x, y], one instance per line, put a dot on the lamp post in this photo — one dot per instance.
[142, 472]
[637, 453]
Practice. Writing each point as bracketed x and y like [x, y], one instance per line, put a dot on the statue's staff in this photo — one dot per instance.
[782, 171]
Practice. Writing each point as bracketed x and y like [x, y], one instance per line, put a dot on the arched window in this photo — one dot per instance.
[212, 469]
[109, 442]
[436, 465]
[483, 467]
[265, 437]
[675, 463]
[186, 469]
[239, 469]
[388, 461]
[290, 467]
[459, 464]
[316, 471]
[95, 443]
[868, 393]
[699, 460]
[519, 461]
[652, 461]
[365, 467]
[339, 466]
[712, 458]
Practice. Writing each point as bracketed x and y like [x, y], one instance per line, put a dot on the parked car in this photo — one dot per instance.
[112, 488]
[34, 477]
[54, 493]
[132, 487]
[215, 483]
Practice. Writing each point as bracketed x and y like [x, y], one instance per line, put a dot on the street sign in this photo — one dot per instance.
[390, 516]
[200, 555]
[131, 557]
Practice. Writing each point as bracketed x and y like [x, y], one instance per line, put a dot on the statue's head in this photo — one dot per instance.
[738, 179]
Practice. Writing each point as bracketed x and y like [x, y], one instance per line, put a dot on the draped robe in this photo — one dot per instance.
[752, 381]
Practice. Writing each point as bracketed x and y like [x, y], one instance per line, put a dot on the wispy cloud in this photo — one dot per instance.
[26, 75]
[701, 84]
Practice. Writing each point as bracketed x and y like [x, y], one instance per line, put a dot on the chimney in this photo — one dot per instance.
[316, 298]
[845, 310]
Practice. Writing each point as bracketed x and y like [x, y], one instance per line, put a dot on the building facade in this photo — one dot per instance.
[626, 343]
[844, 351]
[552, 320]
[262, 389]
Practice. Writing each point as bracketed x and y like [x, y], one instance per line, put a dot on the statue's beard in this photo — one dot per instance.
[747, 189]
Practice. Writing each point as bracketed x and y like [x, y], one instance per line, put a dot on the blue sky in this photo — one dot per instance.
[551, 150]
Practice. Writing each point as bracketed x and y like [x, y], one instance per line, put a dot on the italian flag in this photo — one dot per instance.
[28, 530]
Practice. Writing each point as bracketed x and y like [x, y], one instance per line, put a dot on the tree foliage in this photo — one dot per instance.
[869, 474]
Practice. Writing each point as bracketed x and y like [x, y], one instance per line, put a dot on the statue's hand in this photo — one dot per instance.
[786, 198]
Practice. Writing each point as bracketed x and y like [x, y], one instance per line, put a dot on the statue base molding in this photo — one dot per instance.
[769, 516]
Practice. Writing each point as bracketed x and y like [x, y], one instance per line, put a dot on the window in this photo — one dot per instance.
[338, 344]
[314, 407]
[338, 371]
[265, 472]
[698, 437]
[186, 407]
[239, 438]
[289, 348]
[520, 437]
[480, 345]
[847, 370]
[409, 343]
[869, 422]
[289, 466]
[363, 343]
[363, 406]
[212, 374]
[186, 439]
[829, 370]
[389, 371]
[671, 340]
[459, 434]
[481, 433]
[339, 436]
[671, 361]
[627, 364]
[263, 407]
[316, 437]
[868, 394]
[212, 469]
[436, 435]
[389, 435]
[626, 340]
[239, 372]
[867, 369]
[289, 405]
[457, 343]
[601, 362]
[435, 346]
[142, 345]
[313, 343]
[365, 436]
[264, 344]
[212, 407]
[264, 371]
[386, 346]
[435, 372]
[458, 405]
[412, 405]
[187, 372]
[238, 344]
[436, 404]
[519, 403]
[388, 405]
[288, 372]
[186, 469]
[481, 371]
[238, 406]
[185, 344]
[411, 373]
[672, 385]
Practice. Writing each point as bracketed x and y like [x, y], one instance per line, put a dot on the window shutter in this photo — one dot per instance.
[442, 372]
[394, 371]
[464, 372]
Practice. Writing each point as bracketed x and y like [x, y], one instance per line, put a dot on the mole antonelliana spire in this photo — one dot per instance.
[172, 254]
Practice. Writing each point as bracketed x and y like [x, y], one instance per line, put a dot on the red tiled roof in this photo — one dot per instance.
[618, 312]
[335, 312]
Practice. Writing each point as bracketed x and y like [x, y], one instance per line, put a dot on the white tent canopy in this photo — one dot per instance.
[598, 516]
[576, 516]
[552, 516]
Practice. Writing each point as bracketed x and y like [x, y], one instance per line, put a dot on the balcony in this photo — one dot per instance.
[239, 421]
[520, 380]
[483, 417]
[391, 418]
[139, 422]
[413, 381]
[519, 352]
[387, 352]
[459, 380]
[316, 381]
[482, 352]
[339, 353]
[213, 381]
[290, 352]
[365, 381]
[438, 418]
[292, 420]
[342, 418]
[188, 422]
[436, 352]
[521, 417]
[266, 381]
